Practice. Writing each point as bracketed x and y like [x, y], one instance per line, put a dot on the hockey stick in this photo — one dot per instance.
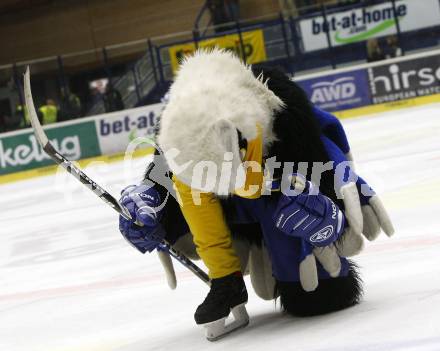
[83, 178]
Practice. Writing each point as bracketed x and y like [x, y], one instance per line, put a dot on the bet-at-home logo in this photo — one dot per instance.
[359, 25]
[132, 125]
[340, 89]
[26, 153]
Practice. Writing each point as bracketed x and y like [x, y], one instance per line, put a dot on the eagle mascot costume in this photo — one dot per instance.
[261, 183]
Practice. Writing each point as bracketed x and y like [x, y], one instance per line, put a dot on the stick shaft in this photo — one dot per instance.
[92, 185]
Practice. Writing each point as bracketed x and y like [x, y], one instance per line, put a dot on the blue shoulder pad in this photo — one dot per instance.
[332, 128]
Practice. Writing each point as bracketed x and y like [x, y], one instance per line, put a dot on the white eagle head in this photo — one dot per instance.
[213, 98]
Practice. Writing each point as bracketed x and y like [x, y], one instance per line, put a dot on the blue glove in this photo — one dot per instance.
[309, 215]
[144, 230]
[318, 222]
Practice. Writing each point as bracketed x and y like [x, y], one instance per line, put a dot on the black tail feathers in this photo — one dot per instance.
[332, 295]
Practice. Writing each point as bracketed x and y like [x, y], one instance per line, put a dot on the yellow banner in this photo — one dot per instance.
[253, 43]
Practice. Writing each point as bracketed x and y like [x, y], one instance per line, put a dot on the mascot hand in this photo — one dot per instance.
[375, 217]
[365, 214]
[144, 230]
[318, 221]
[308, 272]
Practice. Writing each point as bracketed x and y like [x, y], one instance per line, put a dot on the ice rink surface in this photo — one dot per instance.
[70, 282]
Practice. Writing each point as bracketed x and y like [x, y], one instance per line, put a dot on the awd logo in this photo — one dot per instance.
[328, 91]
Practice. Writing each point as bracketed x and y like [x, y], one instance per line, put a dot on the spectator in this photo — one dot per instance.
[112, 99]
[95, 97]
[49, 112]
[392, 50]
[70, 105]
[22, 115]
[374, 52]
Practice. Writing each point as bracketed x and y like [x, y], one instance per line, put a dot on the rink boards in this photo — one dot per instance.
[357, 112]
[349, 92]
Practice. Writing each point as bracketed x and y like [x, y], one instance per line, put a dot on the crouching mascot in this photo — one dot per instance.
[263, 184]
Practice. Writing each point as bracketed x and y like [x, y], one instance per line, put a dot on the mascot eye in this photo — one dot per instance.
[242, 144]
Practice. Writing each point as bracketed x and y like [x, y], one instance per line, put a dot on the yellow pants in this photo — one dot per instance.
[211, 233]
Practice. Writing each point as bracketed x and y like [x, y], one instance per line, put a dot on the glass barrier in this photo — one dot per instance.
[298, 39]
[83, 78]
[129, 68]
[11, 105]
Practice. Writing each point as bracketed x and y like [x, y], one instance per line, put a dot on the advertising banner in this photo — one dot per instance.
[253, 42]
[21, 151]
[116, 130]
[335, 92]
[405, 79]
[375, 21]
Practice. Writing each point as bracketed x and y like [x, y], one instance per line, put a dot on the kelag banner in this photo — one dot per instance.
[116, 130]
[94, 136]
[405, 79]
[21, 151]
[253, 42]
[356, 25]
[335, 92]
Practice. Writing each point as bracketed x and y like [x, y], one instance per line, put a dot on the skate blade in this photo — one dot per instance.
[218, 329]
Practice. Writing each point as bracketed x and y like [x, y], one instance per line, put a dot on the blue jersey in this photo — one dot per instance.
[284, 251]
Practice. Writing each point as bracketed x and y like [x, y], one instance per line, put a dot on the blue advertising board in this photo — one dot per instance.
[341, 91]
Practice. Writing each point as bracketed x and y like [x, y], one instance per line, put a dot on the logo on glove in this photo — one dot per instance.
[322, 235]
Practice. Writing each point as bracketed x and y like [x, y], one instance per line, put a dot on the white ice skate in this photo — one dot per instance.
[221, 327]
